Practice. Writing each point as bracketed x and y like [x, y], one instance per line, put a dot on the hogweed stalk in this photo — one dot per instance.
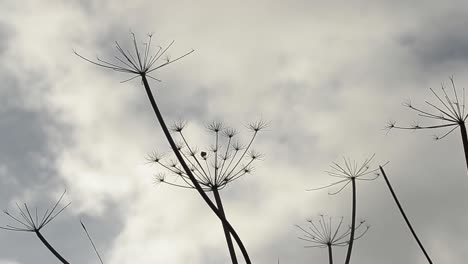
[214, 167]
[449, 113]
[350, 172]
[142, 63]
[91, 241]
[32, 221]
[323, 233]
[400, 208]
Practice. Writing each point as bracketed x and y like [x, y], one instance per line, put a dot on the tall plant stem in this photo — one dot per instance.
[219, 203]
[353, 223]
[404, 215]
[189, 172]
[465, 141]
[50, 248]
[330, 255]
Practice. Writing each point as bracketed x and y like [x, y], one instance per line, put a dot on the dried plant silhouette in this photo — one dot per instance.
[91, 241]
[323, 233]
[141, 63]
[450, 114]
[350, 172]
[29, 220]
[214, 167]
[400, 208]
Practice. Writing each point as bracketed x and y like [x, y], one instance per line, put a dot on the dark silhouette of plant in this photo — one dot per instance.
[141, 63]
[350, 172]
[404, 215]
[33, 221]
[322, 233]
[214, 167]
[91, 241]
[450, 114]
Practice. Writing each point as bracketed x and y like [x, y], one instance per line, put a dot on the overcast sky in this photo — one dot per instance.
[327, 77]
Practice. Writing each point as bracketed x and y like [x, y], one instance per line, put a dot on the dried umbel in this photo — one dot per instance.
[448, 112]
[350, 171]
[215, 166]
[144, 60]
[29, 220]
[326, 232]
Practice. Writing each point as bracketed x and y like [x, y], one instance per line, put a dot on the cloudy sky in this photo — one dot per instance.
[327, 77]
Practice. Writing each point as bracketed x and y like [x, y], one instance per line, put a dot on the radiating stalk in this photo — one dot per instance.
[189, 172]
[353, 223]
[219, 203]
[404, 215]
[50, 248]
[465, 141]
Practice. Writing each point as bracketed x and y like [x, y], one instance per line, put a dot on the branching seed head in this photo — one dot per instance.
[28, 220]
[141, 61]
[350, 170]
[214, 167]
[325, 231]
[448, 111]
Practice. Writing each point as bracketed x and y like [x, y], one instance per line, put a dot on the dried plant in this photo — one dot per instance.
[214, 167]
[143, 62]
[91, 241]
[449, 114]
[350, 172]
[400, 208]
[29, 220]
[323, 233]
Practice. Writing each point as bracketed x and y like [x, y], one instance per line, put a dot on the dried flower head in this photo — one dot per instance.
[31, 221]
[448, 111]
[214, 167]
[142, 61]
[324, 232]
[350, 170]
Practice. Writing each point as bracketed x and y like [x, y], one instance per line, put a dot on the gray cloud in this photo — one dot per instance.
[327, 76]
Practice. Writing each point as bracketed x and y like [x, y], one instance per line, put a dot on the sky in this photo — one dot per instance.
[327, 76]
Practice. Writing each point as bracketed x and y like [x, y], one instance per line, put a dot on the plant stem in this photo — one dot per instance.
[404, 215]
[219, 203]
[50, 248]
[330, 255]
[353, 223]
[465, 141]
[189, 172]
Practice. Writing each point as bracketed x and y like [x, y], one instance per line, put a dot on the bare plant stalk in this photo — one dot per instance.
[189, 172]
[219, 203]
[465, 141]
[353, 223]
[50, 248]
[404, 216]
[330, 254]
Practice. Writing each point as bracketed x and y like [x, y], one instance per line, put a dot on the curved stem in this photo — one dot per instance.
[330, 255]
[219, 203]
[50, 248]
[353, 223]
[465, 141]
[189, 172]
[404, 216]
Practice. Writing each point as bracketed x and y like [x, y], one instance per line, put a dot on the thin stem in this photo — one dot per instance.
[50, 248]
[404, 215]
[465, 141]
[330, 255]
[232, 251]
[189, 173]
[353, 223]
